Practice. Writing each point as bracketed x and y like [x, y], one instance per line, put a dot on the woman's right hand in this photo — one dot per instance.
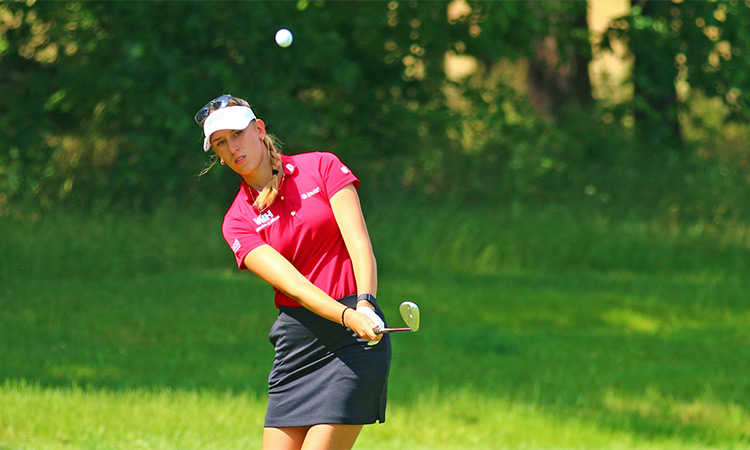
[361, 324]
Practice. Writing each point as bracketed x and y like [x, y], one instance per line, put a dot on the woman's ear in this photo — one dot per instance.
[221, 161]
[260, 127]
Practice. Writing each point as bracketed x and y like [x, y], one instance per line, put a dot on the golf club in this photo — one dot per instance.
[410, 313]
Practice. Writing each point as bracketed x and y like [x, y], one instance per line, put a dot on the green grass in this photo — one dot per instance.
[542, 328]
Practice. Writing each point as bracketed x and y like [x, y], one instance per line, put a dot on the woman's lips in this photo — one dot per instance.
[240, 160]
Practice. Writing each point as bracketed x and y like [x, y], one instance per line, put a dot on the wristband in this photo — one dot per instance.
[342, 316]
[367, 297]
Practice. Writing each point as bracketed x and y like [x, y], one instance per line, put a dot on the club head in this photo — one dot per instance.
[410, 313]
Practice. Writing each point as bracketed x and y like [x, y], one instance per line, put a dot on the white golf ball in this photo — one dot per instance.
[284, 37]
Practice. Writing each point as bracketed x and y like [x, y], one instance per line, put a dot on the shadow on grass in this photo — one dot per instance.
[181, 330]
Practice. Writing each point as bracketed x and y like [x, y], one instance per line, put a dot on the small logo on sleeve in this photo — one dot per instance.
[345, 169]
[236, 246]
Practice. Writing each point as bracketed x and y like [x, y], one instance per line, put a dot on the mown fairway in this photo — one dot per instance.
[540, 329]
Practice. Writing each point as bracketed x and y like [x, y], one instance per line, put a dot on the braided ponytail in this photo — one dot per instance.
[271, 190]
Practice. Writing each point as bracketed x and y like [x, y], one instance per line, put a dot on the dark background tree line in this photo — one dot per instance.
[97, 98]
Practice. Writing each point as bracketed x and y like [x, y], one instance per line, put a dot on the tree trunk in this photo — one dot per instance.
[558, 75]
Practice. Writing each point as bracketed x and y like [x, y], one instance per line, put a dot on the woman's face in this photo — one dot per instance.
[242, 150]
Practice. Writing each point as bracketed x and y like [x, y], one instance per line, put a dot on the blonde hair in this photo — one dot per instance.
[271, 190]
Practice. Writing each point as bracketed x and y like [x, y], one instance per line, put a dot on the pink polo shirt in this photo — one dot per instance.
[299, 224]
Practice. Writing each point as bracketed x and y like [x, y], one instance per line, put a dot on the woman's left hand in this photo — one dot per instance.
[361, 323]
[369, 312]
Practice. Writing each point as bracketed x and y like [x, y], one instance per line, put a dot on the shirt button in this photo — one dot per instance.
[293, 213]
[282, 197]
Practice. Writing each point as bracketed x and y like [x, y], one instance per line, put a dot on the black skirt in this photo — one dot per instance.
[324, 373]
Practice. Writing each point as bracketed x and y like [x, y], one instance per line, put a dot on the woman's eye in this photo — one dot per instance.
[238, 132]
[220, 143]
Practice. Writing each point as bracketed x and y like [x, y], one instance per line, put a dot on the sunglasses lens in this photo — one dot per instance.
[201, 115]
[217, 103]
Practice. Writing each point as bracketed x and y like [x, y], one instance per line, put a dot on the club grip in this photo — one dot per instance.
[379, 330]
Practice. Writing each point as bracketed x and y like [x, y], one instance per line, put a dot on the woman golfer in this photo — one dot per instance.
[297, 223]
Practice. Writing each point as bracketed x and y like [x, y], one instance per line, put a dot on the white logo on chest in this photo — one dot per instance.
[307, 195]
[264, 218]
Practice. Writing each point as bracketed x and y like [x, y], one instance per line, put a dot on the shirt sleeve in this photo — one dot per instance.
[335, 174]
[241, 237]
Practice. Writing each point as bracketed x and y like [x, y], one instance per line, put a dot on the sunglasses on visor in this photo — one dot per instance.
[217, 103]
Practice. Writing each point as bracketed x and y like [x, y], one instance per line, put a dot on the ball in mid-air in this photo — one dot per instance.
[284, 37]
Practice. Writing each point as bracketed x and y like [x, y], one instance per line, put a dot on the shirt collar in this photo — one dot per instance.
[289, 169]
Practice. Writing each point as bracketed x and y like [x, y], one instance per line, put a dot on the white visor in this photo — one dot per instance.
[229, 118]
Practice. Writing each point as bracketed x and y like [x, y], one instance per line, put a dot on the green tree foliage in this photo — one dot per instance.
[703, 44]
[97, 98]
